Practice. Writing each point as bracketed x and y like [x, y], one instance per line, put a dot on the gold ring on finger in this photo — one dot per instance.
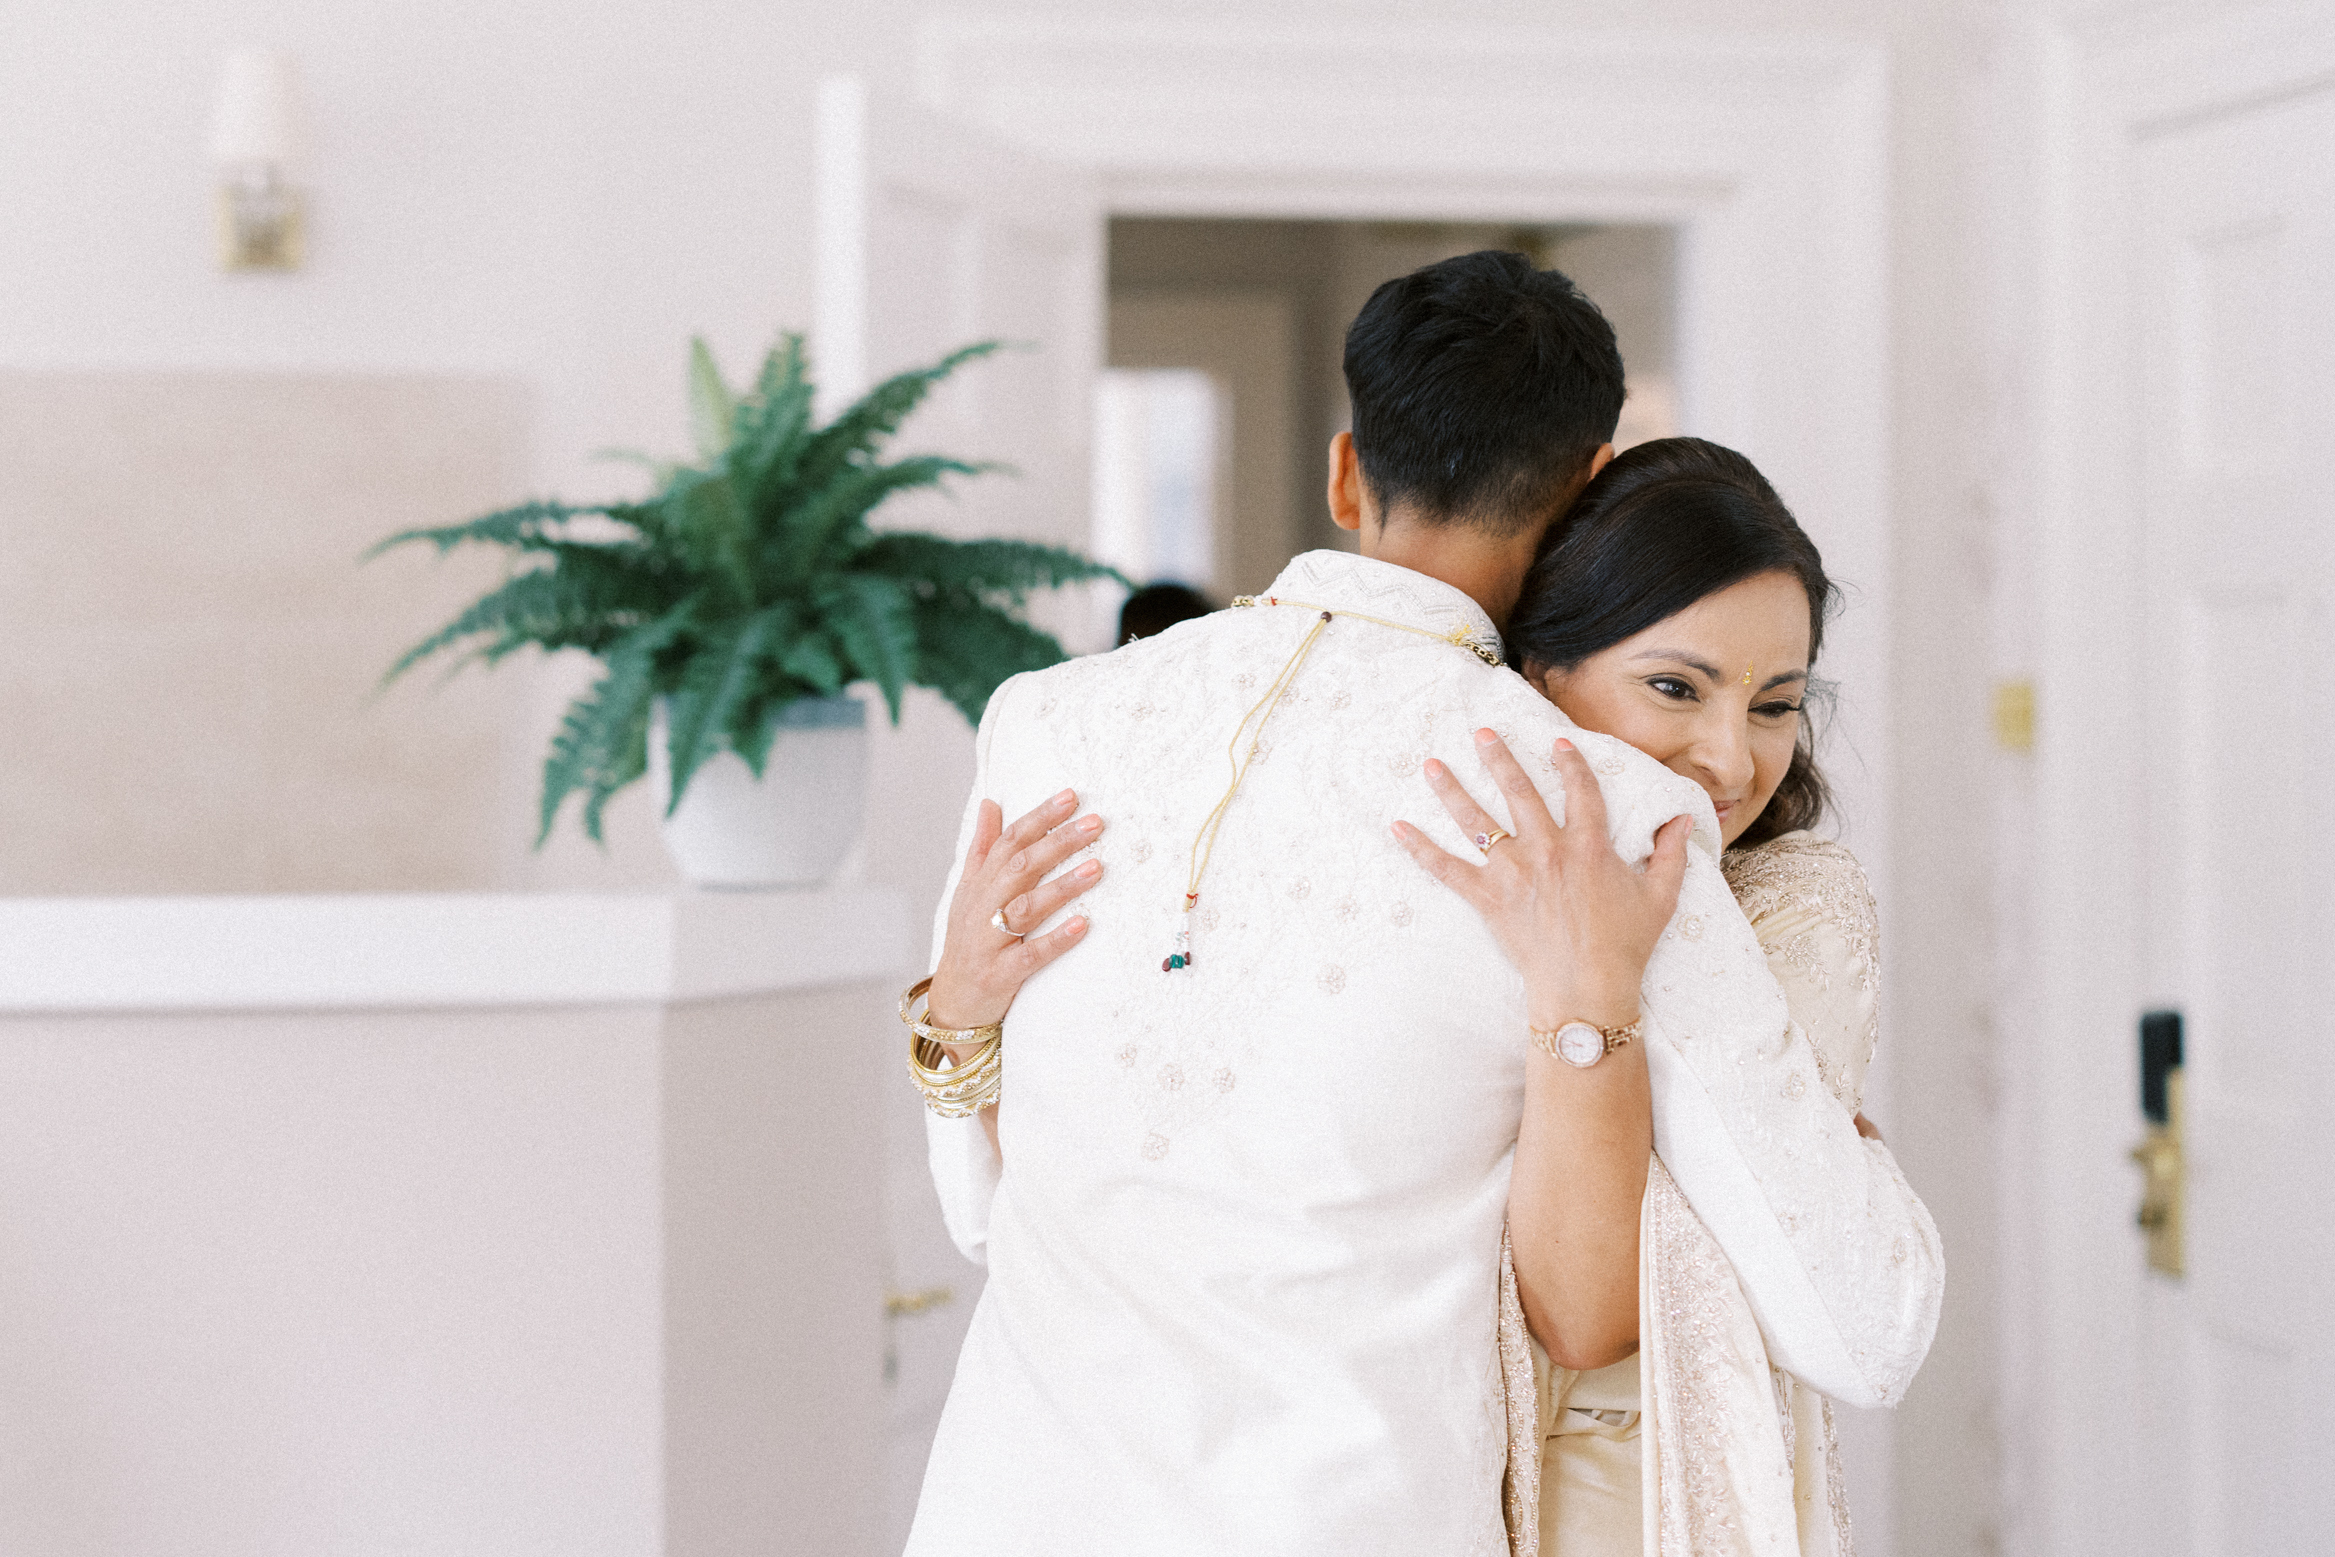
[997, 920]
[1484, 841]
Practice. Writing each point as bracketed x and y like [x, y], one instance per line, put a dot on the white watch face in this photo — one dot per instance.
[1578, 1043]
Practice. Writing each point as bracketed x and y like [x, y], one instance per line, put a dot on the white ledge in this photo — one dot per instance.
[439, 949]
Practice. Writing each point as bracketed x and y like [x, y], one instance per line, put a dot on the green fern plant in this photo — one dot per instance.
[749, 580]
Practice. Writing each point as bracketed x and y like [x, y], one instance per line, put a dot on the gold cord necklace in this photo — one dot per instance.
[1204, 842]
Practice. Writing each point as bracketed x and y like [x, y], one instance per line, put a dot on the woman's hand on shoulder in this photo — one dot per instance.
[982, 967]
[1578, 923]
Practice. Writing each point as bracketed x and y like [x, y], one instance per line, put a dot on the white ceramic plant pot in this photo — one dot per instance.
[789, 828]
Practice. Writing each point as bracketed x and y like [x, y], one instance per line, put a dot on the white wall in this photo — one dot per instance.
[556, 194]
[561, 194]
[580, 1281]
[195, 651]
[330, 1283]
[554, 191]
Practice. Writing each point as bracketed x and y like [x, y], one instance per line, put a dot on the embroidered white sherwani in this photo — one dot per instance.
[1244, 1257]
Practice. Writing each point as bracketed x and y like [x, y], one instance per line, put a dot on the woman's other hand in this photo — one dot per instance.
[1578, 923]
[981, 967]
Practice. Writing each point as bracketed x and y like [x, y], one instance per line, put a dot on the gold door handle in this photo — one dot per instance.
[2160, 1158]
[907, 1305]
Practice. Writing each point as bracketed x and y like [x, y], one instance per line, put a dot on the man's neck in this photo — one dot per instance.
[1487, 568]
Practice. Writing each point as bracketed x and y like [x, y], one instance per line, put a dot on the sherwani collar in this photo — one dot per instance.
[1346, 581]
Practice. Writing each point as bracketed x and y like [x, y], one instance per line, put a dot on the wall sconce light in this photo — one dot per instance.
[254, 136]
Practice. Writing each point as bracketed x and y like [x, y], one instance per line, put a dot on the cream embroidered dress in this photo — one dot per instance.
[1729, 1456]
[1244, 1248]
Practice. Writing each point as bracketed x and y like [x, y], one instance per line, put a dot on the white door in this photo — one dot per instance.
[2234, 330]
[2179, 853]
[932, 235]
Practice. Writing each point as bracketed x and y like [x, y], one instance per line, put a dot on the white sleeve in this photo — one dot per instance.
[1837, 1255]
[965, 1167]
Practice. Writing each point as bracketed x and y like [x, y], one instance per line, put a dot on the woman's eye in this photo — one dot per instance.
[1776, 710]
[1671, 687]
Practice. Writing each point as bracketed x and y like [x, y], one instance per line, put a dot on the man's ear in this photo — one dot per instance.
[1580, 483]
[1346, 493]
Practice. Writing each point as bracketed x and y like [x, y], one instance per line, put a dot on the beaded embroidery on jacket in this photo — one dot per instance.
[1292, 904]
[1248, 737]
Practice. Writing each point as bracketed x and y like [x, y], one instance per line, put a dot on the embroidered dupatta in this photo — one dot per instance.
[1737, 1457]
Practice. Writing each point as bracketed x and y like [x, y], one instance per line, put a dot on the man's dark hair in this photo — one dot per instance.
[1481, 388]
[1664, 525]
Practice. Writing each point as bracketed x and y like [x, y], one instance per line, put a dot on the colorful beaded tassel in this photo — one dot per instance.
[1181, 957]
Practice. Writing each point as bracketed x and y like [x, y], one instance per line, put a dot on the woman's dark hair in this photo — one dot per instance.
[1481, 386]
[1662, 526]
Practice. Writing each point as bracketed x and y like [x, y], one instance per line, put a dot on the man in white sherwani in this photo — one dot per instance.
[1243, 1214]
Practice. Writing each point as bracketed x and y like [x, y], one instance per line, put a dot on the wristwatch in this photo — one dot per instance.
[1583, 1043]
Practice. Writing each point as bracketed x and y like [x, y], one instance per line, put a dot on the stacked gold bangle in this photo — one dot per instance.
[951, 1090]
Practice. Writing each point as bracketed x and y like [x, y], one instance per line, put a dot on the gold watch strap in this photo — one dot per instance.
[1545, 1038]
[1615, 1037]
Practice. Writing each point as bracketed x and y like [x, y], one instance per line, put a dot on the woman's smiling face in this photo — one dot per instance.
[1713, 692]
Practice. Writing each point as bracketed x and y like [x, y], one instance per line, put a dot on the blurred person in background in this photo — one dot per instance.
[1155, 608]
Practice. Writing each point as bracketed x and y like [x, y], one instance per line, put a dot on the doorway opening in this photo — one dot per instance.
[1242, 321]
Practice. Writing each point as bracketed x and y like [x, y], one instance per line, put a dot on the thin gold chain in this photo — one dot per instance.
[1457, 637]
[1204, 842]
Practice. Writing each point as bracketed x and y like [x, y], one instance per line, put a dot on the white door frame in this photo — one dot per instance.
[2075, 977]
[1770, 156]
